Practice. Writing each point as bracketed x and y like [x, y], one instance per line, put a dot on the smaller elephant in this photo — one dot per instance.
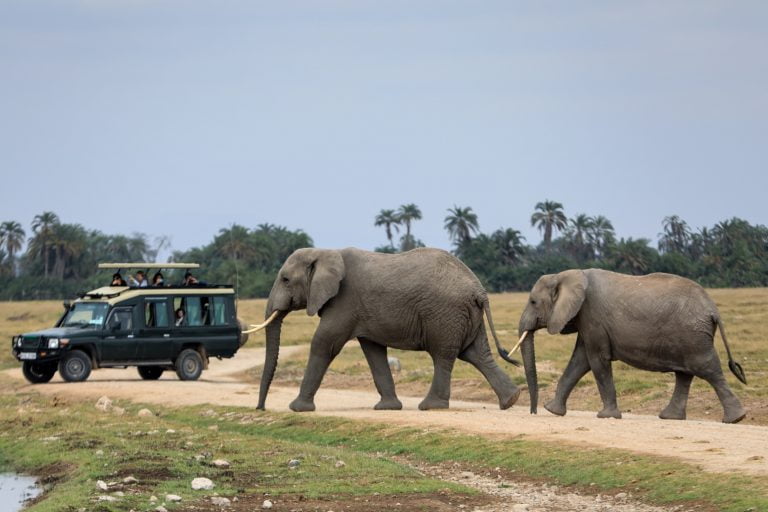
[658, 322]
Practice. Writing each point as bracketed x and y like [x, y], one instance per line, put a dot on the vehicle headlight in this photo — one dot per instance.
[53, 342]
[18, 341]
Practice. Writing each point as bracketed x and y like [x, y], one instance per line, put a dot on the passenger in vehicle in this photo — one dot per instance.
[158, 280]
[140, 281]
[190, 280]
[117, 280]
[179, 317]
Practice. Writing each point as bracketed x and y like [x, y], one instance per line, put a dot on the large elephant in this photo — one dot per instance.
[424, 299]
[659, 322]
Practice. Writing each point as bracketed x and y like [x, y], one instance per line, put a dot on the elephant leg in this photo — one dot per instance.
[676, 408]
[577, 367]
[603, 372]
[440, 390]
[733, 412]
[478, 354]
[376, 355]
[325, 346]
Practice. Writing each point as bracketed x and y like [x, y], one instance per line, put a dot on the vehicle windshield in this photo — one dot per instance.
[86, 314]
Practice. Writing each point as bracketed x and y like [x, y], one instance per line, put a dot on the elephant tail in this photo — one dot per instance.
[735, 367]
[504, 353]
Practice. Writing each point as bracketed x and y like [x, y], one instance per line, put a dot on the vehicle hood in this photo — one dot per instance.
[58, 332]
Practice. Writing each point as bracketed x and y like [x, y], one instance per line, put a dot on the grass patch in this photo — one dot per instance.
[71, 446]
[658, 480]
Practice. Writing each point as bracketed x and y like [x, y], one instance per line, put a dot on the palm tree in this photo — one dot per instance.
[68, 243]
[234, 242]
[601, 235]
[676, 236]
[11, 237]
[43, 226]
[407, 214]
[509, 242]
[549, 216]
[461, 224]
[633, 256]
[578, 230]
[389, 219]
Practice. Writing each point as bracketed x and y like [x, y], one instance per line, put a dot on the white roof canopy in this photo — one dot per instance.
[149, 265]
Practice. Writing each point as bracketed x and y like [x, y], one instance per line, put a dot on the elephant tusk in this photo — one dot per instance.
[259, 327]
[514, 349]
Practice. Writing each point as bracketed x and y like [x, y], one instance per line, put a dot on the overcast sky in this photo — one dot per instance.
[180, 118]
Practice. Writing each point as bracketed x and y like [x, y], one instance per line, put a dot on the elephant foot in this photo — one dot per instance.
[510, 401]
[672, 413]
[300, 405]
[433, 403]
[609, 412]
[734, 415]
[390, 404]
[556, 408]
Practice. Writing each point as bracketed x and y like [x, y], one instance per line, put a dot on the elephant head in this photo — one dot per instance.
[554, 302]
[308, 279]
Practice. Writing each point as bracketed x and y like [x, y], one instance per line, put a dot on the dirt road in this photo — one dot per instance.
[713, 446]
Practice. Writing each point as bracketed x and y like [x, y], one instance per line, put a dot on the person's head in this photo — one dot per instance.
[158, 278]
[117, 278]
[189, 278]
[140, 276]
[179, 313]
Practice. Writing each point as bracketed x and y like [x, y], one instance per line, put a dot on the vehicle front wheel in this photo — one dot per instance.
[38, 373]
[151, 372]
[189, 365]
[75, 366]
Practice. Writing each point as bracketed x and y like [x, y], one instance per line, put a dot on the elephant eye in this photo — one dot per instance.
[284, 279]
[533, 302]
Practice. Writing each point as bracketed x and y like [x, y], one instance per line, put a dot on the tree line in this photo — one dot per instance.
[58, 259]
[732, 253]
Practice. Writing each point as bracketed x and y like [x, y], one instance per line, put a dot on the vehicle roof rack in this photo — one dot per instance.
[119, 266]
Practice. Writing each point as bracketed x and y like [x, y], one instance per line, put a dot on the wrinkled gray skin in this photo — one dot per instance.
[424, 299]
[659, 322]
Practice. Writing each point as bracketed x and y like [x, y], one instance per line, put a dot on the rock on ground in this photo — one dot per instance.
[220, 501]
[202, 484]
[104, 404]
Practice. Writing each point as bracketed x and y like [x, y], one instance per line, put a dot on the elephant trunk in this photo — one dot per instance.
[270, 360]
[529, 362]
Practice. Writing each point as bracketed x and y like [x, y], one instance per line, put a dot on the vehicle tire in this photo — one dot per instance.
[75, 366]
[189, 365]
[151, 372]
[38, 373]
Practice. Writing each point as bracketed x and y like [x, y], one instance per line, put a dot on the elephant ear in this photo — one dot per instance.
[569, 294]
[325, 275]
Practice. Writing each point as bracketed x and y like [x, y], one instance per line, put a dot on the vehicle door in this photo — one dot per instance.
[154, 338]
[224, 329]
[118, 341]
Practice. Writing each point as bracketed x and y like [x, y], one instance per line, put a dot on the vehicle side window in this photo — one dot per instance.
[219, 311]
[156, 313]
[197, 311]
[121, 319]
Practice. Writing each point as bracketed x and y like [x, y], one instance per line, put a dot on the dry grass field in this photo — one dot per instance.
[745, 313]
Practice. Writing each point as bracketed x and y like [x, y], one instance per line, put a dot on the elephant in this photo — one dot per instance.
[423, 299]
[657, 322]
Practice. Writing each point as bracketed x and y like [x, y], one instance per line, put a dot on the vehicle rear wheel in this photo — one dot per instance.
[38, 373]
[151, 372]
[189, 365]
[75, 366]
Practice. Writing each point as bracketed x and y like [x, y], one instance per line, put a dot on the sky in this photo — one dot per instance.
[179, 118]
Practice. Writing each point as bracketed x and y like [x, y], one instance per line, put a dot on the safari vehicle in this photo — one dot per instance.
[122, 326]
